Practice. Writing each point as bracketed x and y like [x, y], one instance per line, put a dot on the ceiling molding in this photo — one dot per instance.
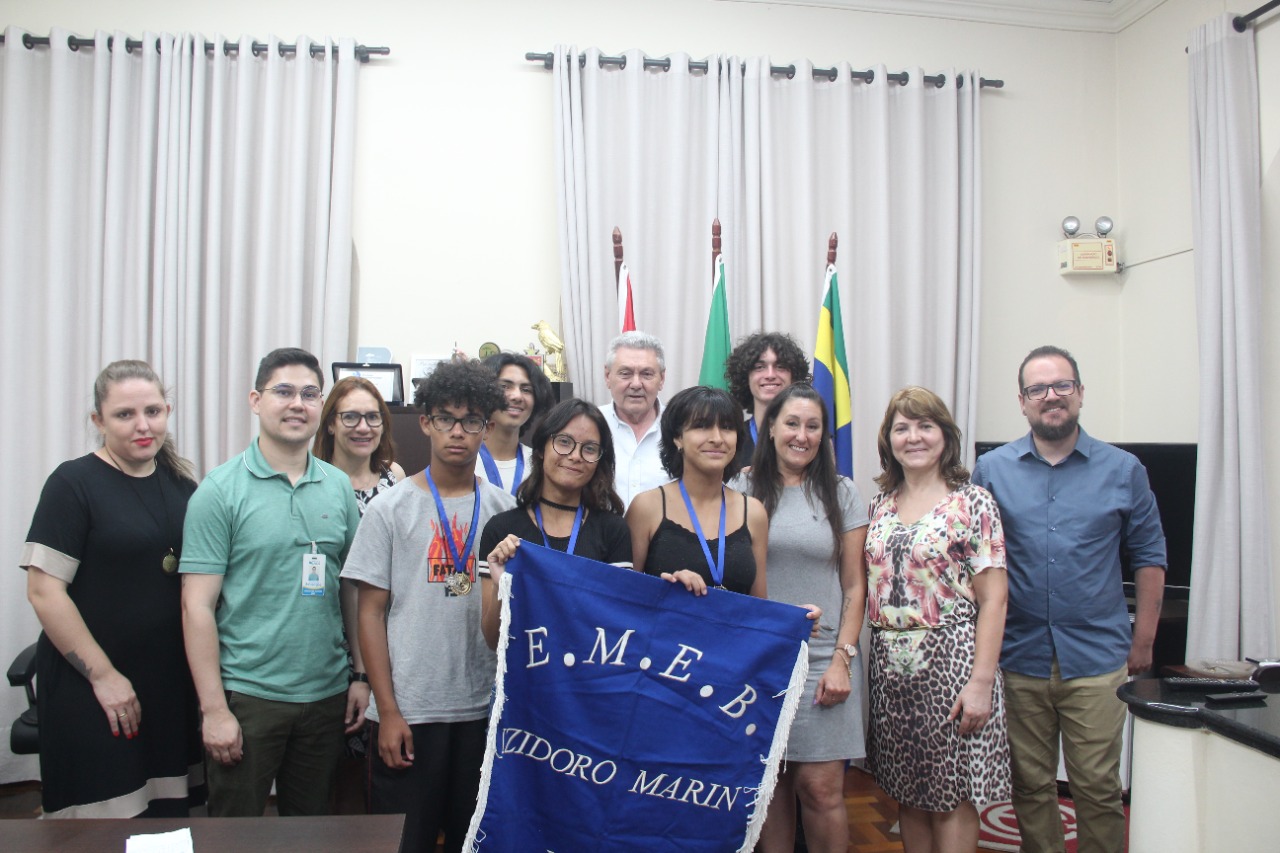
[1096, 16]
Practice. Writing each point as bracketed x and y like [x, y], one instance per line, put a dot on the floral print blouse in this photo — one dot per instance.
[921, 575]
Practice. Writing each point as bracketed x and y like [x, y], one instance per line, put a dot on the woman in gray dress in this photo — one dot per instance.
[817, 529]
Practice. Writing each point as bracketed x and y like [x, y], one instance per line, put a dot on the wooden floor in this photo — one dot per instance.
[871, 813]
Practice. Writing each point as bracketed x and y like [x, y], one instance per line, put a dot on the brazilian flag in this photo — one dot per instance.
[831, 373]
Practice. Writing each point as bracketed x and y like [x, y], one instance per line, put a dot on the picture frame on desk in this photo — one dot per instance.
[388, 378]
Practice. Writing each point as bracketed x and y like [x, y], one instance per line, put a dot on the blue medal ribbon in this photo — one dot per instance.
[755, 436]
[716, 566]
[573, 536]
[447, 531]
[491, 468]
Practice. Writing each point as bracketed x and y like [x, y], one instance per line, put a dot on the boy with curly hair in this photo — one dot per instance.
[414, 562]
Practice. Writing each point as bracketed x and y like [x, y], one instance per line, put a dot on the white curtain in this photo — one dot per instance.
[783, 162]
[1231, 594]
[190, 209]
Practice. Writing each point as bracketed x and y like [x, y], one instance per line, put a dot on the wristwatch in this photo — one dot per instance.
[353, 677]
[850, 652]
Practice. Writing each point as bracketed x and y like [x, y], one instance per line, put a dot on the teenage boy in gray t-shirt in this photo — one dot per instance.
[414, 562]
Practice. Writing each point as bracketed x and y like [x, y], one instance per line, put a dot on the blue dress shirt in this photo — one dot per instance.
[1065, 527]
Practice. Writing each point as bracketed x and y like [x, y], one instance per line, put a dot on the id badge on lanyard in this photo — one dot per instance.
[313, 572]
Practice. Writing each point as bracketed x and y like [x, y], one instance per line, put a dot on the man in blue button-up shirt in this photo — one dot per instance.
[1070, 505]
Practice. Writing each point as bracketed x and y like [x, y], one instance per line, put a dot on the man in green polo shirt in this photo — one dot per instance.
[265, 537]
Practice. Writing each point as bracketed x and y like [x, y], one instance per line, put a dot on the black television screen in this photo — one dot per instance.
[1172, 471]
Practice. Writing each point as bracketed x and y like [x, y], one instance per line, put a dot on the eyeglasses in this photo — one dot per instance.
[564, 445]
[470, 423]
[351, 420]
[285, 393]
[1065, 388]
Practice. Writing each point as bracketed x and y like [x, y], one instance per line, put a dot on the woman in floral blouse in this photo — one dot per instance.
[936, 603]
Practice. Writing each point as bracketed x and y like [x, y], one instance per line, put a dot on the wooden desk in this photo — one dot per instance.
[337, 833]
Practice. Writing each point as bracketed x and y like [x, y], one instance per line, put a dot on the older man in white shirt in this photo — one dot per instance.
[635, 370]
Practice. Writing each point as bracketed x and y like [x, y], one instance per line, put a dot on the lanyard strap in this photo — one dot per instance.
[573, 536]
[755, 436]
[716, 567]
[446, 531]
[491, 468]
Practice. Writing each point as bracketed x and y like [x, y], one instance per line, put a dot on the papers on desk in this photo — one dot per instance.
[178, 841]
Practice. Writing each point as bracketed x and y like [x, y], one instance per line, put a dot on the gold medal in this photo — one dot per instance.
[169, 563]
[459, 583]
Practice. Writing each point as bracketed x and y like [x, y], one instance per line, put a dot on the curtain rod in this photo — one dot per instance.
[1242, 22]
[228, 47]
[788, 71]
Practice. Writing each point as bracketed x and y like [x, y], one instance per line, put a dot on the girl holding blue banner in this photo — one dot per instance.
[937, 597]
[817, 531]
[526, 397]
[701, 430]
[567, 502]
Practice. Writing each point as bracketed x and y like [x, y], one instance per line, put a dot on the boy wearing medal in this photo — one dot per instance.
[414, 562]
[264, 539]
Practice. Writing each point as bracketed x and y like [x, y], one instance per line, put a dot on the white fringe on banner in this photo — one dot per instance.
[760, 806]
[472, 843]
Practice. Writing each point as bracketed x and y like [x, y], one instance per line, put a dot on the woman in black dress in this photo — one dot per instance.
[696, 530]
[101, 561]
[567, 502]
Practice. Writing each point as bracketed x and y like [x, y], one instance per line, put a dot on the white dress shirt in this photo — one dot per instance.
[638, 466]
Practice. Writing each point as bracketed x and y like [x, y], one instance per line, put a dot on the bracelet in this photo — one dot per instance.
[362, 677]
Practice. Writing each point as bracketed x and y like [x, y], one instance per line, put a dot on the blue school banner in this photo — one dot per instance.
[632, 715]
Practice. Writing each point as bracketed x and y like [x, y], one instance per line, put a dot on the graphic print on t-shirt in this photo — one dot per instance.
[439, 561]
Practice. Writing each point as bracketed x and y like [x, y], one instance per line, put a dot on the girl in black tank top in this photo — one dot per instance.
[682, 541]
[674, 547]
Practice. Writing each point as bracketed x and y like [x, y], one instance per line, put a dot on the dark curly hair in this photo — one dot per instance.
[697, 408]
[598, 494]
[543, 397]
[385, 453]
[737, 369]
[452, 383]
[915, 402]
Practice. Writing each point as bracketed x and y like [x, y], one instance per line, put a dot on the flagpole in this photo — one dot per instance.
[715, 348]
[617, 252]
[715, 246]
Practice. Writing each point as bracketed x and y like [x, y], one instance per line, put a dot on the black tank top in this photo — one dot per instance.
[673, 548]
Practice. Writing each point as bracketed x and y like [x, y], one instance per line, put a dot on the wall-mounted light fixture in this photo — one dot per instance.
[1087, 253]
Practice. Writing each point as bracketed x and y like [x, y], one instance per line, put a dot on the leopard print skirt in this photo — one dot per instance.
[917, 757]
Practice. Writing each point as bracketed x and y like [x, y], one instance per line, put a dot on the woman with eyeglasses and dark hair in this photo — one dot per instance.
[567, 502]
[526, 397]
[696, 530]
[355, 436]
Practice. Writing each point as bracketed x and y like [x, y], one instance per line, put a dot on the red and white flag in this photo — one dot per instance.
[626, 311]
